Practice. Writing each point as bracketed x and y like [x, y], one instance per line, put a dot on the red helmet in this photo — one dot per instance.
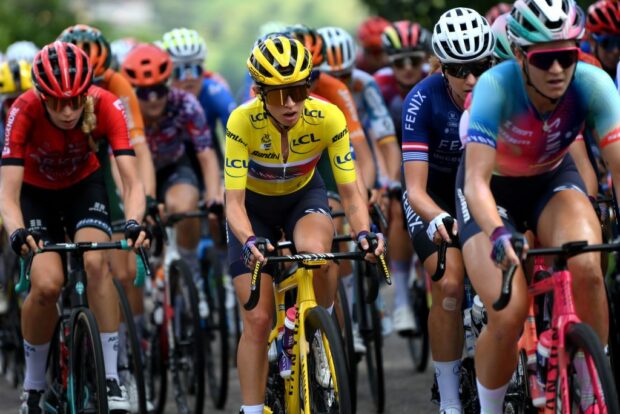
[91, 41]
[496, 11]
[405, 36]
[62, 70]
[604, 18]
[369, 32]
[147, 65]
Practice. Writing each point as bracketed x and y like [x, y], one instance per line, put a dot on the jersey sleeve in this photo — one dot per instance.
[195, 124]
[486, 109]
[603, 103]
[338, 148]
[416, 124]
[18, 125]
[237, 155]
[222, 101]
[111, 118]
[380, 121]
[121, 87]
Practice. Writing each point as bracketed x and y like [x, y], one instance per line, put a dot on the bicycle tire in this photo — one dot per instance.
[318, 320]
[135, 366]
[55, 399]
[418, 343]
[156, 380]
[87, 380]
[517, 399]
[347, 342]
[582, 336]
[216, 330]
[188, 378]
[613, 302]
[468, 390]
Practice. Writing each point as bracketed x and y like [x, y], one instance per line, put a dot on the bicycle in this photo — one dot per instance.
[75, 361]
[316, 340]
[12, 359]
[564, 385]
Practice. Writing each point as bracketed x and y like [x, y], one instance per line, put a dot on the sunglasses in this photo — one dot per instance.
[58, 104]
[187, 71]
[401, 62]
[151, 93]
[544, 59]
[607, 42]
[279, 96]
[463, 70]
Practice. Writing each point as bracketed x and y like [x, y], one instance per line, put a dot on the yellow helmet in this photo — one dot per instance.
[279, 60]
[15, 77]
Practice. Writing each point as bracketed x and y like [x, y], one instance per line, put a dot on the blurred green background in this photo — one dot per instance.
[229, 26]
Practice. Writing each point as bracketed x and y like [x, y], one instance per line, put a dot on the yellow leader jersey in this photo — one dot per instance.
[254, 154]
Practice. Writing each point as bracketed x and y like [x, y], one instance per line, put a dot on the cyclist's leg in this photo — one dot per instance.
[568, 216]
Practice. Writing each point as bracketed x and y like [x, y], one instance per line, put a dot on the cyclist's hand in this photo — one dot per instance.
[137, 235]
[503, 253]
[250, 253]
[368, 241]
[437, 231]
[212, 202]
[23, 241]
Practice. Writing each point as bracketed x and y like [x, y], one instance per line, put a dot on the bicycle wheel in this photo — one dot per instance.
[130, 368]
[155, 364]
[187, 361]
[215, 328]
[468, 390]
[87, 391]
[418, 342]
[598, 379]
[613, 301]
[517, 399]
[347, 340]
[325, 367]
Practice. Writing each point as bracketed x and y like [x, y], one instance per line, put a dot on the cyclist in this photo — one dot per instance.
[273, 143]
[15, 78]
[503, 50]
[603, 27]
[122, 263]
[170, 115]
[189, 51]
[52, 184]
[370, 56]
[408, 46]
[380, 128]
[495, 11]
[516, 175]
[21, 50]
[431, 154]
[120, 48]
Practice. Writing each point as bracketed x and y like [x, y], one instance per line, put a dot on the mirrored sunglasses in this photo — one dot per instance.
[279, 96]
[58, 104]
[187, 71]
[543, 59]
[151, 93]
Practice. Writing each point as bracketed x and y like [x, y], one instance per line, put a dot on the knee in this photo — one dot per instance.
[587, 273]
[313, 246]
[257, 325]
[450, 294]
[45, 292]
[95, 268]
[506, 325]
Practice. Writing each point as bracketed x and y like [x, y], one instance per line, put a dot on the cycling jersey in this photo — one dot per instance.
[527, 144]
[375, 116]
[119, 85]
[388, 86]
[183, 116]
[217, 103]
[54, 158]
[254, 154]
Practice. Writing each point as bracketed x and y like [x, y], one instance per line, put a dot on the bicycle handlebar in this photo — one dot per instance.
[25, 263]
[448, 222]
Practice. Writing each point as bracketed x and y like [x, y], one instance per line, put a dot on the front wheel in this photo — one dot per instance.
[87, 381]
[589, 383]
[325, 366]
[418, 341]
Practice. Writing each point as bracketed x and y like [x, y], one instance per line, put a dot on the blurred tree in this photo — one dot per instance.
[39, 21]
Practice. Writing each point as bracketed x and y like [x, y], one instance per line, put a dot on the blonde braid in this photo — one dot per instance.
[89, 122]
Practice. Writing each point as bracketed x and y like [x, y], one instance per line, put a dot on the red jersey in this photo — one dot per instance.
[54, 158]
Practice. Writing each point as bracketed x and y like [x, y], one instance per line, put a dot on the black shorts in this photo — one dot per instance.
[54, 213]
[416, 227]
[272, 215]
[520, 200]
[180, 172]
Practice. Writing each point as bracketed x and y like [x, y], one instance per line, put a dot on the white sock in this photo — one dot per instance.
[109, 343]
[349, 288]
[330, 309]
[400, 274]
[36, 359]
[583, 377]
[491, 401]
[253, 409]
[447, 374]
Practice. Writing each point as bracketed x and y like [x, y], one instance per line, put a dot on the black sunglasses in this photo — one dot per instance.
[544, 59]
[150, 93]
[462, 70]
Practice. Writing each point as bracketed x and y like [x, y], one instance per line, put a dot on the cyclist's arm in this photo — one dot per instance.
[235, 208]
[11, 178]
[389, 150]
[211, 173]
[579, 154]
[354, 207]
[133, 190]
[416, 178]
[146, 168]
[363, 155]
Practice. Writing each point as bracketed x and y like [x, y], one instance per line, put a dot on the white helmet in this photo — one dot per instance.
[462, 35]
[185, 45]
[21, 50]
[120, 49]
[339, 50]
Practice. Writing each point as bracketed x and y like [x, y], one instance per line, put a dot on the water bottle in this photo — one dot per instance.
[275, 347]
[537, 394]
[478, 316]
[543, 350]
[470, 338]
[288, 339]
